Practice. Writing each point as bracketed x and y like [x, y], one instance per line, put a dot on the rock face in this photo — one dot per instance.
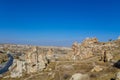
[75, 48]
[34, 60]
[49, 55]
[88, 41]
[92, 47]
[79, 76]
[109, 56]
[17, 69]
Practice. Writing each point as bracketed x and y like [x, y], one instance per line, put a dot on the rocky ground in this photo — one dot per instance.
[3, 58]
[81, 62]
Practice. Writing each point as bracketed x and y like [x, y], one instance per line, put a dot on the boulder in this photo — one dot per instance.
[79, 76]
[97, 68]
[118, 76]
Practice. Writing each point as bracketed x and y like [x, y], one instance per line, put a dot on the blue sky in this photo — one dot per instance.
[58, 22]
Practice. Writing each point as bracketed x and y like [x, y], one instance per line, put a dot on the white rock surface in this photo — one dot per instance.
[17, 68]
[118, 76]
[79, 76]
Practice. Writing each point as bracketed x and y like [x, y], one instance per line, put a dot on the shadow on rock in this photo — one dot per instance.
[117, 64]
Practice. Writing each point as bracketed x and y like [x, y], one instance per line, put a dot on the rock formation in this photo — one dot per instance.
[32, 59]
[49, 55]
[17, 69]
[92, 47]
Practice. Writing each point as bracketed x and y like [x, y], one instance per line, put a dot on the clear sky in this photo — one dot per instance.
[58, 22]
